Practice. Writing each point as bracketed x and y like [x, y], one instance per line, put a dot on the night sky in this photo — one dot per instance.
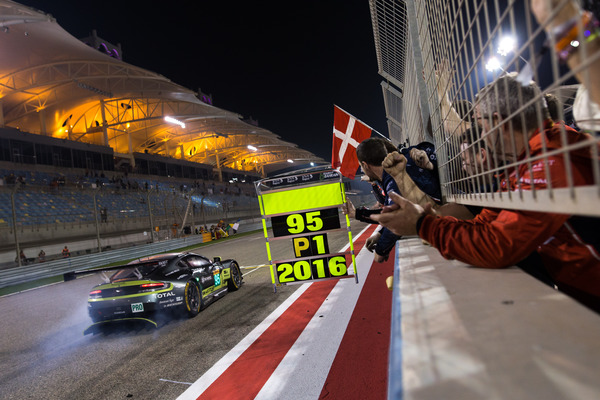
[284, 64]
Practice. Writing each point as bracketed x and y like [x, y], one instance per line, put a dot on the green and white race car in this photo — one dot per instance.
[178, 281]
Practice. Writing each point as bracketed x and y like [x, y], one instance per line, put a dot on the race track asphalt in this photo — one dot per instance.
[44, 354]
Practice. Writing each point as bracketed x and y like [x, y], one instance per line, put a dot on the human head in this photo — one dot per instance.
[371, 153]
[504, 132]
[389, 147]
[474, 153]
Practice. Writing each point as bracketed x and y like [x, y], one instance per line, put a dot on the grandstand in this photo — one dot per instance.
[82, 131]
[57, 86]
[52, 208]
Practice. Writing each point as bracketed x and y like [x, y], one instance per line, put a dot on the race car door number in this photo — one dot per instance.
[137, 307]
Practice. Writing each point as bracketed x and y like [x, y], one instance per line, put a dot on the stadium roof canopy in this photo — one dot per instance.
[55, 85]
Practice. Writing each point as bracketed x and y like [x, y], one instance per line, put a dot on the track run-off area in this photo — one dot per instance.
[316, 340]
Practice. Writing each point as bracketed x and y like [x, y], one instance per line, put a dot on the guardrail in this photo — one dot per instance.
[28, 273]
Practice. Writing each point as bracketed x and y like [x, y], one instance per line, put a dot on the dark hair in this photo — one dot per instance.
[464, 108]
[372, 151]
[473, 135]
[506, 96]
[388, 145]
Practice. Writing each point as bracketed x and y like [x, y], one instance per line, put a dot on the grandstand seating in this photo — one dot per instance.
[65, 198]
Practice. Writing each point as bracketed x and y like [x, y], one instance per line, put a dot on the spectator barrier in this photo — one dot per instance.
[32, 272]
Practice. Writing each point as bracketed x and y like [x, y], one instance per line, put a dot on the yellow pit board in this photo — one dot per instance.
[304, 208]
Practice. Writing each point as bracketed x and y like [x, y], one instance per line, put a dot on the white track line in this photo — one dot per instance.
[305, 367]
[220, 366]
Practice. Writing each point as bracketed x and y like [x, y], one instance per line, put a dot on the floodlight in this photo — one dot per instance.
[493, 64]
[250, 147]
[172, 120]
[506, 45]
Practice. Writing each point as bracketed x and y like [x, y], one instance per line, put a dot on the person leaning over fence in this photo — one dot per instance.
[500, 238]
[66, 253]
[479, 164]
[370, 153]
[379, 194]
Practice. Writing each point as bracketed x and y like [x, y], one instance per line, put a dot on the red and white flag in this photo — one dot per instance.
[348, 132]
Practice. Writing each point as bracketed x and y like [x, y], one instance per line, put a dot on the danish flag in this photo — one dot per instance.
[348, 132]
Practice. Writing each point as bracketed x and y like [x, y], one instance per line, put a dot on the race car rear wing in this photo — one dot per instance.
[69, 276]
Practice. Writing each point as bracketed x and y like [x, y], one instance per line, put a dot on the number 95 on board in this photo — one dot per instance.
[314, 269]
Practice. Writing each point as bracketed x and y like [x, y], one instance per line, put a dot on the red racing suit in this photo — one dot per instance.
[498, 238]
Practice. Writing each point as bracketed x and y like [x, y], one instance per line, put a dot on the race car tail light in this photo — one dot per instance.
[153, 285]
[93, 292]
[150, 287]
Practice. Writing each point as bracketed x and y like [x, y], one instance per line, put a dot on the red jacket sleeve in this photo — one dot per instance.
[494, 239]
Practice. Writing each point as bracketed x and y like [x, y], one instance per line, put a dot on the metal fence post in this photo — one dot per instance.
[14, 215]
[150, 216]
[97, 225]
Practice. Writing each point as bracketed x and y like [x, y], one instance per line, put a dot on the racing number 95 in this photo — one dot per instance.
[317, 268]
[297, 224]
[305, 222]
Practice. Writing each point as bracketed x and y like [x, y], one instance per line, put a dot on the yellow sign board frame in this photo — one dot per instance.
[302, 197]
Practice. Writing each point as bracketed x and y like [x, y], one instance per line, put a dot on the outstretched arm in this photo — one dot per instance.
[395, 165]
[454, 125]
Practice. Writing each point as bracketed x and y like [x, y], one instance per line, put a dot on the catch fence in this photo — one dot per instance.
[436, 55]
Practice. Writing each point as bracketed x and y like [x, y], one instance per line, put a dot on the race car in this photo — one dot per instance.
[178, 281]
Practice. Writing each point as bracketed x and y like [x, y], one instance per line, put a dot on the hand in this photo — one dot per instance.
[379, 259]
[372, 241]
[542, 10]
[400, 218]
[443, 74]
[421, 158]
[394, 164]
[349, 209]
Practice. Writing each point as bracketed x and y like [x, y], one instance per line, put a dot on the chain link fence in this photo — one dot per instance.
[437, 55]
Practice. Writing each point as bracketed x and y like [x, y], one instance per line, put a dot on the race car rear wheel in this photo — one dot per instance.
[193, 298]
[236, 280]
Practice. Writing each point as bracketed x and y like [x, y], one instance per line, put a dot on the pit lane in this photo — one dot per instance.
[46, 355]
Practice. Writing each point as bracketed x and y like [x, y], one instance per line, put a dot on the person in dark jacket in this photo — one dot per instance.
[370, 154]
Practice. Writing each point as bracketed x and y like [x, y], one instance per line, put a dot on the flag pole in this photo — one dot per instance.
[374, 130]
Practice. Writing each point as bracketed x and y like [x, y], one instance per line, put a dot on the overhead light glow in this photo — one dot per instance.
[290, 161]
[312, 164]
[493, 64]
[506, 45]
[172, 120]
[250, 147]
